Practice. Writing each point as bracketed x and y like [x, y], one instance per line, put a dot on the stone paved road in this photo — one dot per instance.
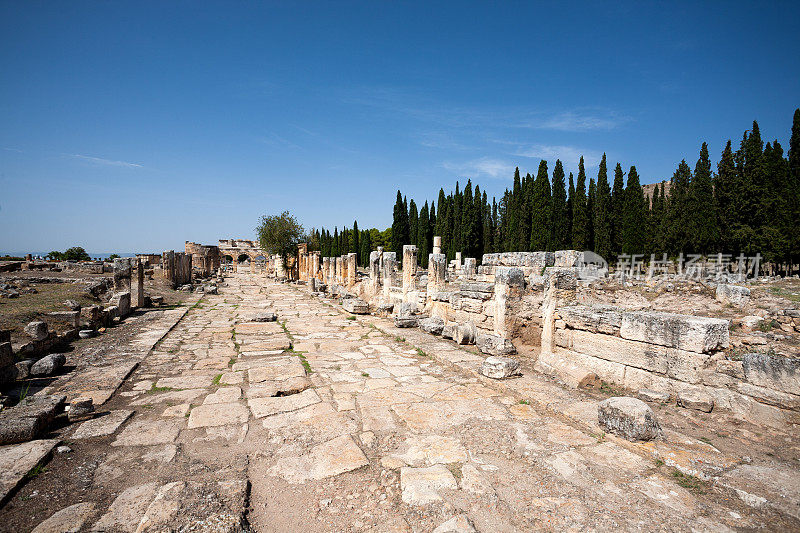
[361, 427]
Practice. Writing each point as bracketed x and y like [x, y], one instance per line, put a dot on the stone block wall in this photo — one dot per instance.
[177, 267]
[670, 353]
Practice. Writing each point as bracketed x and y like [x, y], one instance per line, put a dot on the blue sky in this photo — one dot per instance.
[137, 126]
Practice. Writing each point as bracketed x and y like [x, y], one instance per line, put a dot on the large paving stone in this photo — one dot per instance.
[103, 425]
[17, 460]
[127, 509]
[458, 524]
[262, 407]
[421, 486]
[431, 449]
[331, 458]
[196, 381]
[218, 414]
[68, 520]
[148, 433]
[278, 369]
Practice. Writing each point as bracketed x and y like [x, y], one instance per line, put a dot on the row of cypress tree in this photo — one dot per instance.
[750, 205]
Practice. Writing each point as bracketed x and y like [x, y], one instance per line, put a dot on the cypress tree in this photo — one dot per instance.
[634, 220]
[541, 220]
[354, 248]
[513, 213]
[701, 213]
[400, 230]
[570, 206]
[600, 233]
[365, 247]
[617, 209]
[432, 221]
[591, 202]
[488, 226]
[335, 244]
[794, 186]
[580, 219]
[725, 183]
[413, 223]
[678, 236]
[526, 208]
[559, 232]
[422, 236]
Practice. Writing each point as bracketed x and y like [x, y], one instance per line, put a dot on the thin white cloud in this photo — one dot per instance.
[105, 162]
[569, 155]
[12, 150]
[572, 121]
[484, 166]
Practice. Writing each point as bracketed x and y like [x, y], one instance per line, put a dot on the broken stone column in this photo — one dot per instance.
[470, 267]
[122, 274]
[375, 269]
[339, 270]
[559, 289]
[326, 266]
[508, 285]
[138, 292]
[437, 267]
[351, 269]
[409, 268]
[389, 276]
[437, 244]
[458, 260]
[315, 265]
[280, 269]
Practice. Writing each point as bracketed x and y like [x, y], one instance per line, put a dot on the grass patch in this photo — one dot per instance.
[148, 406]
[400, 339]
[421, 353]
[784, 293]
[231, 361]
[286, 330]
[36, 470]
[153, 389]
[688, 482]
[704, 439]
[365, 374]
[216, 379]
[303, 360]
[524, 402]
[351, 318]
[659, 463]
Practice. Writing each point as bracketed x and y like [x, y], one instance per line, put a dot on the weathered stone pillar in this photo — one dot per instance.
[437, 245]
[409, 268]
[458, 260]
[122, 274]
[280, 269]
[339, 270]
[437, 267]
[315, 265]
[375, 269]
[138, 294]
[559, 288]
[326, 266]
[332, 271]
[351, 269]
[508, 285]
[388, 272]
[470, 267]
[168, 266]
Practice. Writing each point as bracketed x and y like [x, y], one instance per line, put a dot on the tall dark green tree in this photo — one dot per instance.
[794, 186]
[541, 219]
[725, 186]
[591, 201]
[678, 233]
[413, 222]
[580, 218]
[354, 246]
[422, 236]
[634, 219]
[703, 225]
[600, 214]
[400, 228]
[559, 232]
[617, 209]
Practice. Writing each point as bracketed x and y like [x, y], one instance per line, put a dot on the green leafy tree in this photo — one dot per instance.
[423, 230]
[701, 206]
[400, 229]
[76, 253]
[279, 234]
[617, 209]
[634, 220]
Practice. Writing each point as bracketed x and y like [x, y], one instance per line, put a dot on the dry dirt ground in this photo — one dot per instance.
[325, 421]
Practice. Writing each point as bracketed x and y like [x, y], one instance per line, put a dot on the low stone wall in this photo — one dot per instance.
[672, 354]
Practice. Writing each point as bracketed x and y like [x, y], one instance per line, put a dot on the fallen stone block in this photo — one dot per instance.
[458, 524]
[29, 418]
[123, 302]
[24, 368]
[355, 306]
[72, 305]
[697, 400]
[86, 333]
[772, 371]
[495, 345]
[648, 395]
[421, 486]
[628, 418]
[733, 294]
[406, 309]
[433, 325]
[497, 367]
[449, 330]
[80, 409]
[263, 317]
[36, 330]
[690, 333]
[384, 309]
[406, 321]
[465, 333]
[48, 365]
